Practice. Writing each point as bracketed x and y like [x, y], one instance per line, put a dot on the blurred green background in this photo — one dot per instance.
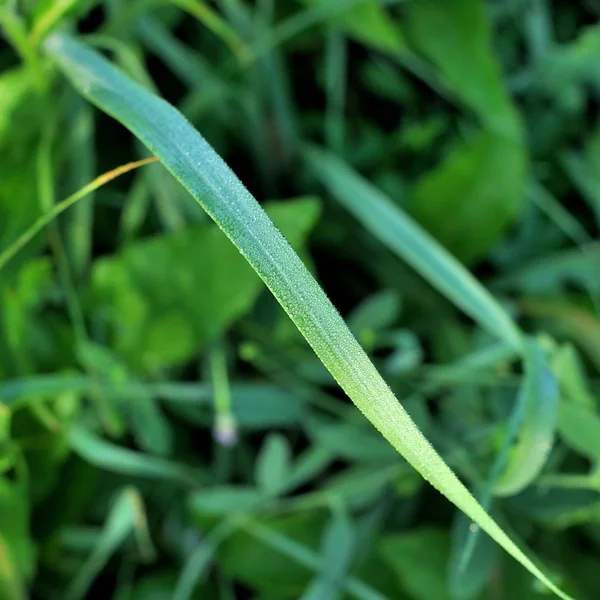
[165, 432]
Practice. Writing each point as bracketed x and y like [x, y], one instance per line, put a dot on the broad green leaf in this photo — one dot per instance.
[579, 427]
[376, 313]
[455, 37]
[538, 405]
[258, 407]
[470, 199]
[572, 378]
[273, 464]
[193, 162]
[419, 558]
[221, 501]
[406, 238]
[478, 189]
[162, 315]
[379, 30]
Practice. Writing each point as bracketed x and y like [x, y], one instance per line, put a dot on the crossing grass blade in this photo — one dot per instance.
[192, 161]
[39, 224]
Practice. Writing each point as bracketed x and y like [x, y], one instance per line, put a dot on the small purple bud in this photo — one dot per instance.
[225, 430]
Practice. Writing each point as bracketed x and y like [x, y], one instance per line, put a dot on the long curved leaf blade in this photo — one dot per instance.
[205, 175]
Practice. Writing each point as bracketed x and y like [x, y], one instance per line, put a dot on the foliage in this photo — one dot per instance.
[165, 430]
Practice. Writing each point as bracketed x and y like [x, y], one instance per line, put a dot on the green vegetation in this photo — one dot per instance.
[165, 429]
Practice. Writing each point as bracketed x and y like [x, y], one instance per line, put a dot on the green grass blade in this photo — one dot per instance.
[116, 459]
[199, 560]
[213, 21]
[82, 159]
[125, 513]
[538, 423]
[336, 73]
[59, 208]
[406, 238]
[306, 557]
[195, 164]
[49, 16]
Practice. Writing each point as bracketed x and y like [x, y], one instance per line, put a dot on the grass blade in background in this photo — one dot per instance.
[125, 517]
[194, 163]
[539, 419]
[406, 238]
[213, 21]
[59, 208]
[533, 421]
[128, 462]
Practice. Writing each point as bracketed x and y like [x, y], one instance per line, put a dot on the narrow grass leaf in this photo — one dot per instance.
[539, 418]
[197, 564]
[47, 16]
[337, 548]
[59, 208]
[367, 22]
[121, 522]
[82, 159]
[213, 21]
[257, 406]
[472, 559]
[194, 163]
[306, 557]
[111, 457]
[403, 236]
[326, 12]
[417, 557]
